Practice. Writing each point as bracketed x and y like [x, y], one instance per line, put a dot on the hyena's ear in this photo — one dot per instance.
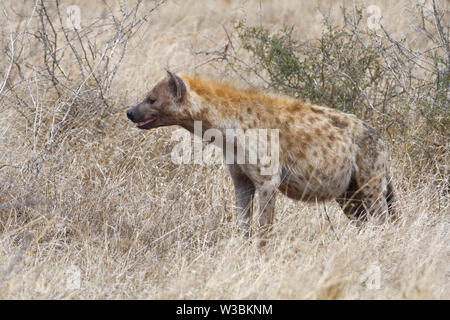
[176, 86]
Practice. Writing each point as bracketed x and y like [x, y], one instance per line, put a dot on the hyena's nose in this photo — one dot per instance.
[130, 114]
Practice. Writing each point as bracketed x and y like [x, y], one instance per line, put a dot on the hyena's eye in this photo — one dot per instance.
[151, 100]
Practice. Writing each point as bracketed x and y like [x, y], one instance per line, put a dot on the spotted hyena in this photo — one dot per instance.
[323, 153]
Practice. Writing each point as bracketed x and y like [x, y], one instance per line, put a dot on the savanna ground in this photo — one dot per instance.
[92, 208]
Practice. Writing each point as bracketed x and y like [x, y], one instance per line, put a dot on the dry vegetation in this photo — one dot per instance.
[82, 190]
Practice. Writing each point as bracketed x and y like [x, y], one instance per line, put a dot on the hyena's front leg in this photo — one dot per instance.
[245, 192]
[267, 198]
[266, 207]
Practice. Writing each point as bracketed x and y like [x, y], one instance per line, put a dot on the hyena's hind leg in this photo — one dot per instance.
[369, 193]
[368, 199]
[245, 191]
[351, 203]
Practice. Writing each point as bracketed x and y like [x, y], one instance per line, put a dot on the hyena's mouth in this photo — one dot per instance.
[141, 125]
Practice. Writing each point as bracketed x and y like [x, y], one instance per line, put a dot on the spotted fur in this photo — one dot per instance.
[324, 153]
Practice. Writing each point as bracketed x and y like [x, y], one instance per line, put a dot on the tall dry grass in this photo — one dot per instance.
[83, 193]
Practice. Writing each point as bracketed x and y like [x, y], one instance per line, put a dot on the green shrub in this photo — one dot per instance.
[337, 70]
[403, 91]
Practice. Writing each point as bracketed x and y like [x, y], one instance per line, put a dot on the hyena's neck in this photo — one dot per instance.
[205, 104]
[201, 116]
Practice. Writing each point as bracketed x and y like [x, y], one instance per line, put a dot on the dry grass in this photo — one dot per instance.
[108, 202]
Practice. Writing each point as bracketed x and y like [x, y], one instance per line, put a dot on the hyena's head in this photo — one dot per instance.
[161, 107]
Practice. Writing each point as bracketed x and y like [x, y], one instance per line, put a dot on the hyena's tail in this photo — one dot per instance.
[390, 199]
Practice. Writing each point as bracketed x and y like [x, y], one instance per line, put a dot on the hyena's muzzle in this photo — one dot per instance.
[143, 116]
